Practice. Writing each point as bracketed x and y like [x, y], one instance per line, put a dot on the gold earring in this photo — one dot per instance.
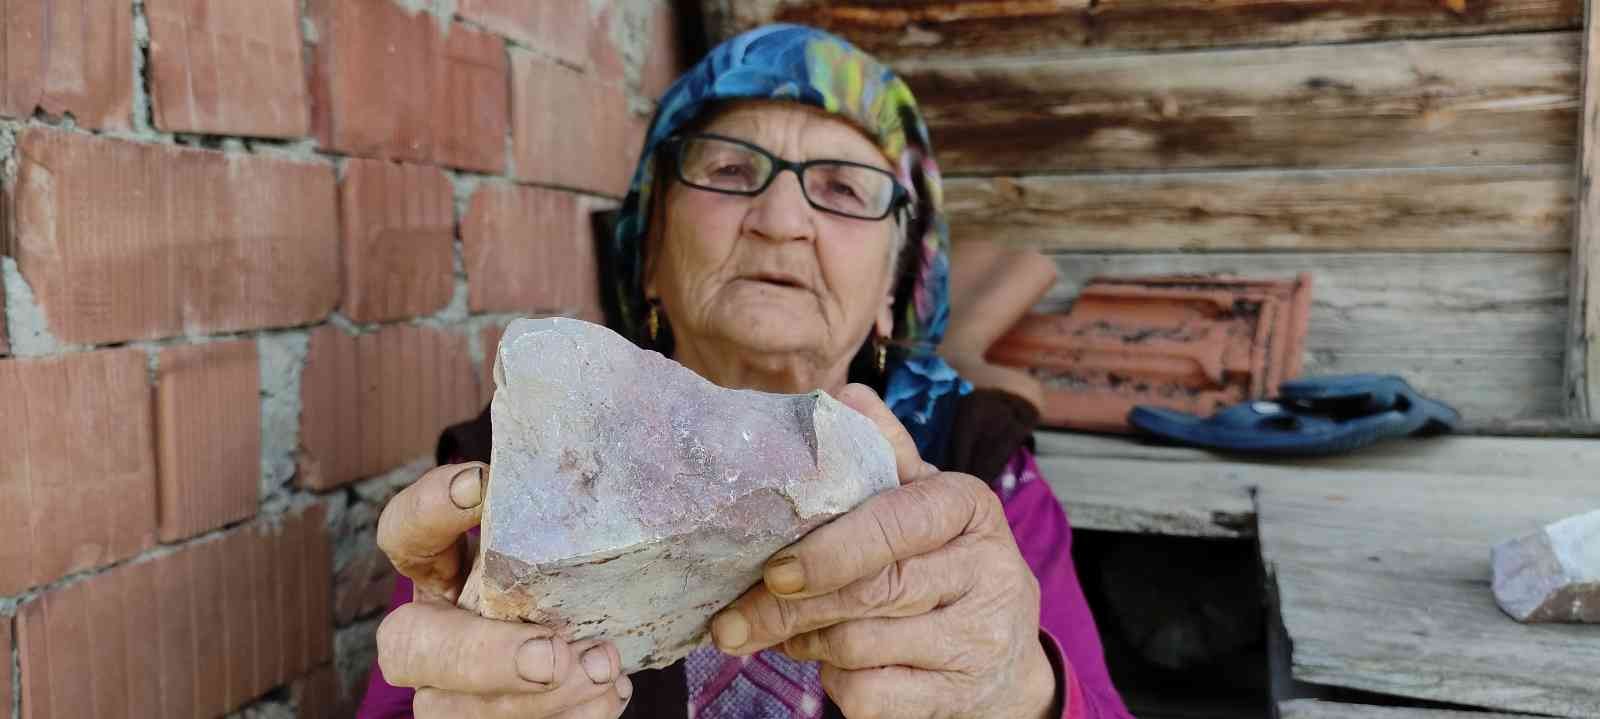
[883, 355]
[653, 323]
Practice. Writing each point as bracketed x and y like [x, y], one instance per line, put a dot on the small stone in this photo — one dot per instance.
[1552, 575]
[631, 499]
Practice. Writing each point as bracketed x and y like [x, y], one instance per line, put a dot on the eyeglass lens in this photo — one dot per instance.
[837, 186]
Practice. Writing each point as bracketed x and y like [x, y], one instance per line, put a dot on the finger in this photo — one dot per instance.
[758, 620]
[438, 704]
[899, 524]
[609, 706]
[422, 527]
[922, 642]
[882, 691]
[433, 645]
[907, 460]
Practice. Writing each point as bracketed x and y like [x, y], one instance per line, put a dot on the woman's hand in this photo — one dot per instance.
[917, 603]
[461, 664]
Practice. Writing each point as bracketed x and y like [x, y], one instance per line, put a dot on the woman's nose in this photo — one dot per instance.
[782, 212]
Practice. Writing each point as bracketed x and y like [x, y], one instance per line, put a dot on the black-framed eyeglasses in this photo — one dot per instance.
[723, 164]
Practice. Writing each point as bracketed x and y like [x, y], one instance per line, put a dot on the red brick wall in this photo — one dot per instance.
[254, 256]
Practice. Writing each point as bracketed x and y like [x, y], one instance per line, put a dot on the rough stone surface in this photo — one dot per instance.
[1552, 575]
[631, 498]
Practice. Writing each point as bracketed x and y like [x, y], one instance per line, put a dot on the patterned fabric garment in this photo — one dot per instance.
[767, 685]
[810, 66]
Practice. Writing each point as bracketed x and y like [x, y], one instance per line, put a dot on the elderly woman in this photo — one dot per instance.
[784, 233]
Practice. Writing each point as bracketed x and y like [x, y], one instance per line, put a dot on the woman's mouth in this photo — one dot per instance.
[778, 279]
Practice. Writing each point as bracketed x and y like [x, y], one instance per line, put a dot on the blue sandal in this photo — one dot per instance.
[1311, 417]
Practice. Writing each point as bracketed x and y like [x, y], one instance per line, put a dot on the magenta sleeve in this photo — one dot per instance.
[1045, 538]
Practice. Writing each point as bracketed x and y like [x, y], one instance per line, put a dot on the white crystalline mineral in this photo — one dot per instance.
[1552, 575]
[631, 499]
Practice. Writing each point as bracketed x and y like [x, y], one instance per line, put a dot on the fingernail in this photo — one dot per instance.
[466, 489]
[536, 661]
[597, 664]
[785, 576]
[928, 468]
[730, 629]
[624, 687]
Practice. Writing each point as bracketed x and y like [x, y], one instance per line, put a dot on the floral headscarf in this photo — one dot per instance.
[813, 67]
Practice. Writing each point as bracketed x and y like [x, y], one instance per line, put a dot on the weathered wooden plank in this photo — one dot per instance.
[1124, 485]
[1315, 709]
[1583, 334]
[977, 28]
[1383, 585]
[1563, 459]
[1145, 497]
[1458, 101]
[1520, 207]
[1483, 331]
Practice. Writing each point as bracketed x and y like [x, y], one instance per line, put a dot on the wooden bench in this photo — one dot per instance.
[1380, 559]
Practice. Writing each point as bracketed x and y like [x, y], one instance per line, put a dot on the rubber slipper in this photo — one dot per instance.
[1362, 394]
[1320, 416]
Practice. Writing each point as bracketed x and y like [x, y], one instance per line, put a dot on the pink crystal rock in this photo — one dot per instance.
[1552, 575]
[631, 499]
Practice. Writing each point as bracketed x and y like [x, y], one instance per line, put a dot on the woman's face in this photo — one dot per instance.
[769, 276]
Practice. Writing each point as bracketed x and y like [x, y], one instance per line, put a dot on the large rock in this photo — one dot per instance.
[1552, 575]
[631, 499]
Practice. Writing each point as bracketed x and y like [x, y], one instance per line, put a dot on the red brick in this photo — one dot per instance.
[163, 637]
[373, 402]
[441, 97]
[141, 612]
[124, 241]
[208, 432]
[664, 60]
[315, 558]
[267, 587]
[398, 226]
[78, 480]
[228, 68]
[570, 129]
[239, 633]
[559, 28]
[529, 250]
[68, 57]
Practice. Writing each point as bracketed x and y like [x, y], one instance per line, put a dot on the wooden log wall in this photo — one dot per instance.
[1418, 156]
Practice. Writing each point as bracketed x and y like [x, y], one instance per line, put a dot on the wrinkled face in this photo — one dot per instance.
[770, 274]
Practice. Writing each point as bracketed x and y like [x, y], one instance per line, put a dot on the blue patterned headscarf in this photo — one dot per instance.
[810, 66]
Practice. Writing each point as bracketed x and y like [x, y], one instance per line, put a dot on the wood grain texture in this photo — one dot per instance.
[1456, 101]
[1583, 333]
[1519, 207]
[1125, 485]
[977, 28]
[1383, 584]
[1482, 331]
[1314, 709]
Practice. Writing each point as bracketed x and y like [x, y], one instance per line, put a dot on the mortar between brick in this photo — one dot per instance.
[25, 320]
[283, 358]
